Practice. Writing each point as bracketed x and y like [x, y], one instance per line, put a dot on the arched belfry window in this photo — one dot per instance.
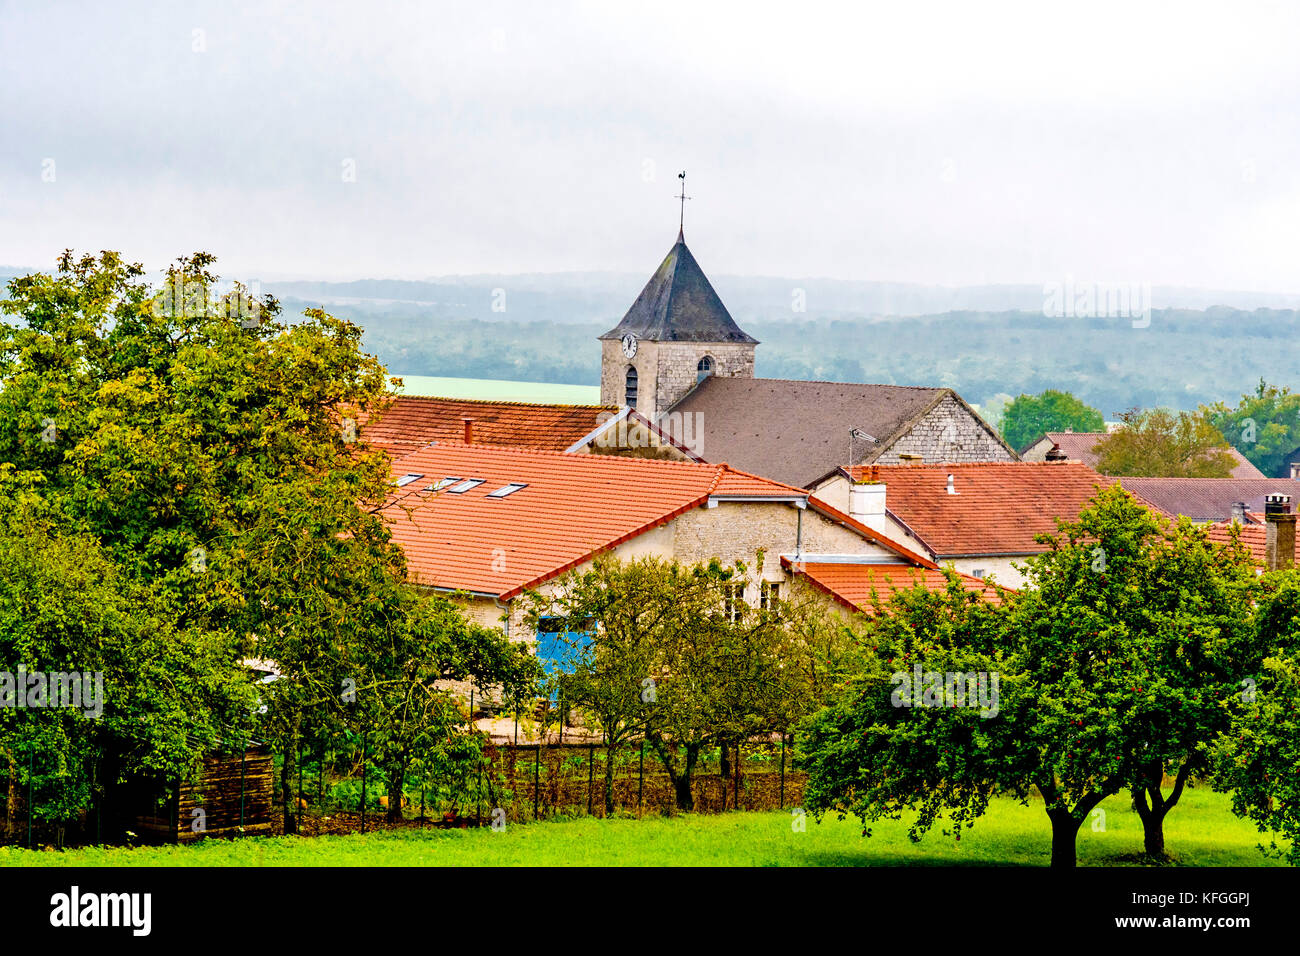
[629, 397]
[704, 369]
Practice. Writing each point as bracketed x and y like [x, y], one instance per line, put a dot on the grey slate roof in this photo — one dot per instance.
[1209, 499]
[797, 432]
[678, 304]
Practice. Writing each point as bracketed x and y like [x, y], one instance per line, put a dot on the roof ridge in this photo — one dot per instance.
[498, 401]
[763, 478]
[986, 464]
[821, 381]
[525, 451]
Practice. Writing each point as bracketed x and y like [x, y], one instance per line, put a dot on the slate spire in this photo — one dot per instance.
[678, 304]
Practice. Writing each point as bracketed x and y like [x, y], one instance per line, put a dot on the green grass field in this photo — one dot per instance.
[497, 390]
[1200, 832]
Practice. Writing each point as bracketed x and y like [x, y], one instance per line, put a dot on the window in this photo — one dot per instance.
[768, 594]
[704, 369]
[442, 483]
[733, 599]
[465, 486]
[629, 396]
[505, 490]
[407, 479]
[978, 573]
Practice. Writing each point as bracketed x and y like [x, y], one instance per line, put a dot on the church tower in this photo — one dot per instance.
[677, 333]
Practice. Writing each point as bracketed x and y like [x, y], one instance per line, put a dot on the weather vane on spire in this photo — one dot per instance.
[681, 223]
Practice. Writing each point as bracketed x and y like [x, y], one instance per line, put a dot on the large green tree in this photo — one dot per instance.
[1264, 426]
[164, 695]
[1258, 759]
[209, 448]
[1026, 418]
[1113, 664]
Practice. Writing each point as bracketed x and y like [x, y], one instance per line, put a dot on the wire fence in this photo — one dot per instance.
[341, 791]
[336, 787]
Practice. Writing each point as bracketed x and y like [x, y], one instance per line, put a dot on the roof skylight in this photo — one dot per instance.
[407, 479]
[505, 490]
[465, 486]
[442, 483]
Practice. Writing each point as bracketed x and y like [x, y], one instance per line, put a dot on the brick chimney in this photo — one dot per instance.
[1279, 533]
[469, 430]
[1239, 512]
[1054, 453]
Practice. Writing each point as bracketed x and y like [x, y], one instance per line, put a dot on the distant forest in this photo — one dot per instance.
[1182, 359]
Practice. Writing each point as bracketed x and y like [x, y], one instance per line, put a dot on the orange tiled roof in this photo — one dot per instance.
[1252, 538]
[571, 508]
[413, 421]
[852, 584]
[998, 507]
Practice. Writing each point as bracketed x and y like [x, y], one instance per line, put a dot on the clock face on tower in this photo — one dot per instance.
[629, 345]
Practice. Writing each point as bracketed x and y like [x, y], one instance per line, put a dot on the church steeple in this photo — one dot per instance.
[679, 304]
[676, 334]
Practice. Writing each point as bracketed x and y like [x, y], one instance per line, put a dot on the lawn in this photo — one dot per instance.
[499, 390]
[1200, 832]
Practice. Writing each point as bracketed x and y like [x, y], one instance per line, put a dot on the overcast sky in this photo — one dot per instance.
[943, 144]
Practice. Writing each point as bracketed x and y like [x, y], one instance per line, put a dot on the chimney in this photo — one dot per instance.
[907, 458]
[867, 503]
[1054, 453]
[469, 430]
[1239, 512]
[1279, 533]
[952, 488]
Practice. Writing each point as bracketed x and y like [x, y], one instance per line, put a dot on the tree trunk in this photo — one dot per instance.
[1152, 807]
[681, 781]
[1065, 830]
[724, 764]
[685, 794]
[609, 779]
[286, 786]
[396, 777]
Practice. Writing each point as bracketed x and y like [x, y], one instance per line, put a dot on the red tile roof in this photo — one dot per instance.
[998, 507]
[1252, 538]
[852, 584]
[573, 507]
[1078, 446]
[413, 422]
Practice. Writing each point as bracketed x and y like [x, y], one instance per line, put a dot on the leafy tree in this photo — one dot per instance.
[165, 693]
[1257, 758]
[404, 698]
[647, 648]
[869, 755]
[1162, 444]
[1029, 416]
[1263, 426]
[723, 675]
[1133, 599]
[1114, 663]
[205, 445]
